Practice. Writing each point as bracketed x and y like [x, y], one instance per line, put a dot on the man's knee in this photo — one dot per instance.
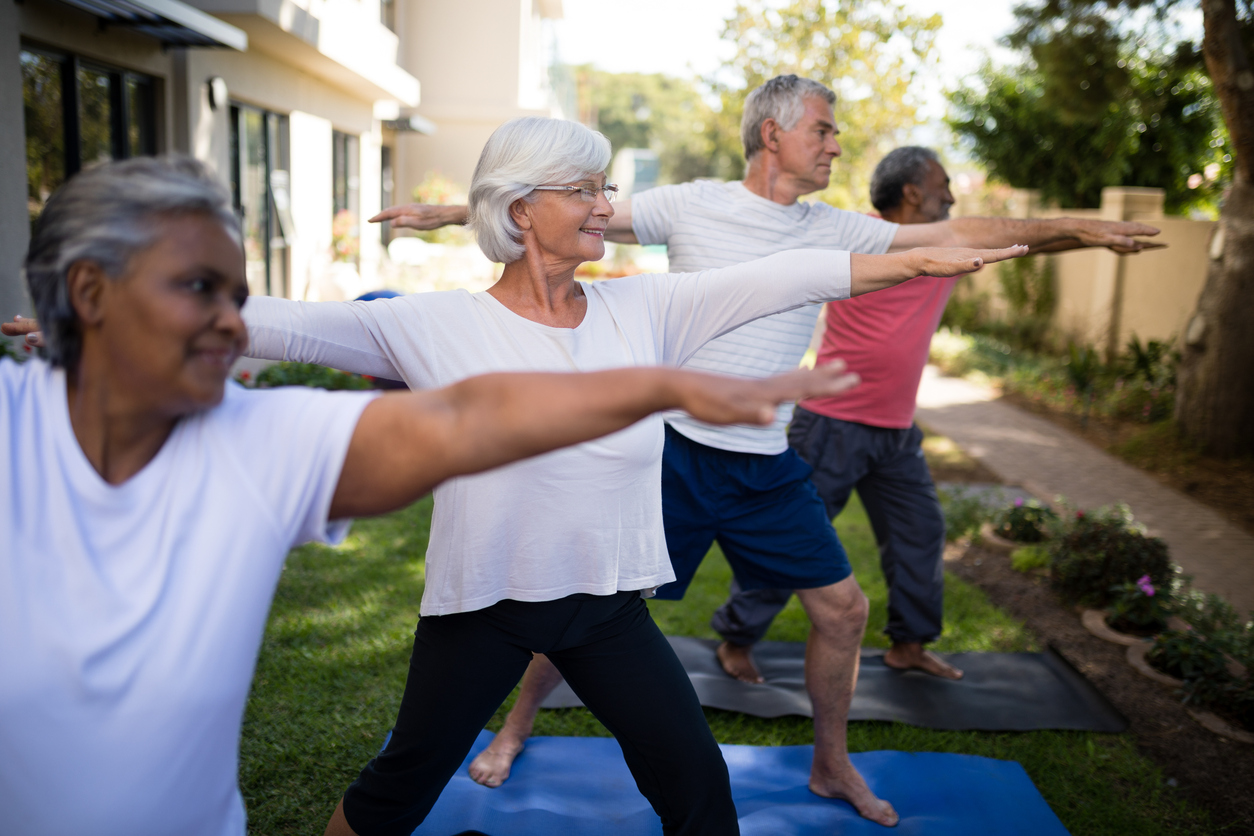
[839, 608]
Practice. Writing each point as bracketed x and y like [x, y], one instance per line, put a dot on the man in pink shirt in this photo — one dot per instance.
[867, 439]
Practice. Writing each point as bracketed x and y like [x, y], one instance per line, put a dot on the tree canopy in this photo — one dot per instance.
[1093, 103]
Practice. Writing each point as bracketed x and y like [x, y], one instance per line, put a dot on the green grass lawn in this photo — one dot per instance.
[336, 651]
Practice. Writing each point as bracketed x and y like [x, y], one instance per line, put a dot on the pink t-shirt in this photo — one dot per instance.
[884, 337]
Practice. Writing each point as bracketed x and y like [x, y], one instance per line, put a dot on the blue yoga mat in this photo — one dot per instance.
[574, 786]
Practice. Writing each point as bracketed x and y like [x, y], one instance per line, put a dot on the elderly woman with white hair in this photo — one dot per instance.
[555, 555]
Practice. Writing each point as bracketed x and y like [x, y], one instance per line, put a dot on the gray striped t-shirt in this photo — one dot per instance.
[707, 224]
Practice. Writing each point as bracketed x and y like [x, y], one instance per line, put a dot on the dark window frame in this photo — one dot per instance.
[276, 137]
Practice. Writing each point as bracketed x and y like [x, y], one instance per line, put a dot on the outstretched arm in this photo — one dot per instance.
[1041, 235]
[426, 216]
[406, 444]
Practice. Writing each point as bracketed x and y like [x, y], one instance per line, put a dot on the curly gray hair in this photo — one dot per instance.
[782, 99]
[105, 215]
[908, 164]
[520, 155]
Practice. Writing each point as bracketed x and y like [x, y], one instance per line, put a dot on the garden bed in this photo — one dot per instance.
[1213, 772]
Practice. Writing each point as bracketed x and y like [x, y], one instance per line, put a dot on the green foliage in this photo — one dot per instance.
[868, 51]
[12, 350]
[1029, 558]
[964, 513]
[1103, 550]
[1029, 287]
[1091, 104]
[1139, 607]
[1024, 522]
[667, 115]
[306, 374]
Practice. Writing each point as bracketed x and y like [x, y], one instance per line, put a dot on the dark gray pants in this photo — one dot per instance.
[887, 468]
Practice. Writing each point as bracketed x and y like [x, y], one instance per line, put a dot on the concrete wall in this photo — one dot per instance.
[1104, 299]
[481, 63]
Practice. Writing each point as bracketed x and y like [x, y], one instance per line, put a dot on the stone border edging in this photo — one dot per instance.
[1221, 727]
[1136, 658]
[994, 542]
[1095, 622]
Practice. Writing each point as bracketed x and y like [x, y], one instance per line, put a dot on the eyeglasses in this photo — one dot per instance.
[588, 194]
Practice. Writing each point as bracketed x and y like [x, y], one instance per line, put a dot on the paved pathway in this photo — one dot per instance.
[1047, 460]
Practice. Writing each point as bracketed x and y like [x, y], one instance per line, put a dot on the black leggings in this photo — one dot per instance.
[612, 655]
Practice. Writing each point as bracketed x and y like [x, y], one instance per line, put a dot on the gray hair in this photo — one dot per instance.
[907, 164]
[782, 99]
[105, 215]
[520, 155]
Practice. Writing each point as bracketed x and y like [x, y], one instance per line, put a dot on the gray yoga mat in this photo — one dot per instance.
[1000, 691]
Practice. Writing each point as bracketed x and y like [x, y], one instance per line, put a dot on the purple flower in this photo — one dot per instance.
[1018, 502]
[1146, 587]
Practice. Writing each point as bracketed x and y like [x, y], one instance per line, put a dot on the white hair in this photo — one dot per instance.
[782, 99]
[107, 214]
[520, 155]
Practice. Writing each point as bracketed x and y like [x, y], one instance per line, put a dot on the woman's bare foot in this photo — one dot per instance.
[737, 662]
[491, 766]
[851, 787]
[905, 656]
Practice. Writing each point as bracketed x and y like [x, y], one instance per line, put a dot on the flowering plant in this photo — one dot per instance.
[1024, 521]
[1139, 607]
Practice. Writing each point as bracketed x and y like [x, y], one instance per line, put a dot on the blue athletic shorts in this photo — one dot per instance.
[764, 512]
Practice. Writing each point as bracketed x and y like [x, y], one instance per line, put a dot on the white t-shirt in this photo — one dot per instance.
[586, 519]
[131, 615]
[708, 224]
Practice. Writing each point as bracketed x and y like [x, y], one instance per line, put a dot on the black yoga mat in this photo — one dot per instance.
[1000, 691]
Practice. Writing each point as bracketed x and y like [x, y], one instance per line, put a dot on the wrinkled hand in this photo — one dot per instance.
[716, 399]
[1116, 235]
[421, 216]
[23, 327]
[957, 261]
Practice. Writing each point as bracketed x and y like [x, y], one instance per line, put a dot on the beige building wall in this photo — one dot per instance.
[1103, 298]
[482, 63]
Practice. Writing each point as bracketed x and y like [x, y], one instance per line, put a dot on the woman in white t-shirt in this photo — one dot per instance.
[146, 505]
[554, 555]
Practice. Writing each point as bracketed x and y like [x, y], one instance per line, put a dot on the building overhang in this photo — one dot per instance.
[169, 21]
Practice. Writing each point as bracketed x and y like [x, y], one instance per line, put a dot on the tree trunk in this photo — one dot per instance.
[1215, 401]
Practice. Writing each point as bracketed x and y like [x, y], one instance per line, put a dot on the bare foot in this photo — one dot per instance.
[904, 656]
[737, 662]
[852, 788]
[491, 766]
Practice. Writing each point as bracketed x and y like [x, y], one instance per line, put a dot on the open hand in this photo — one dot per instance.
[421, 216]
[1116, 235]
[23, 327]
[957, 261]
[716, 399]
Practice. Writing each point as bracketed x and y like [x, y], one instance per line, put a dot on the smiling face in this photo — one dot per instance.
[806, 152]
[564, 226]
[169, 328]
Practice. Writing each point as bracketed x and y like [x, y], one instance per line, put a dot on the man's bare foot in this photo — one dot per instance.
[737, 662]
[904, 656]
[491, 766]
[852, 788]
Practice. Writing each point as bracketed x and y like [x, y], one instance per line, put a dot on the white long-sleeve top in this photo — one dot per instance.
[585, 519]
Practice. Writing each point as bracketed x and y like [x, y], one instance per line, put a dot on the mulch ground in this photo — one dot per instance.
[1212, 772]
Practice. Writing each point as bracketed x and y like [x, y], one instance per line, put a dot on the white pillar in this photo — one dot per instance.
[312, 203]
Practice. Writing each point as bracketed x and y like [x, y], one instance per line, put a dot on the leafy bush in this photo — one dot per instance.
[12, 350]
[1140, 607]
[1104, 550]
[306, 374]
[1024, 522]
[964, 513]
[1210, 680]
[1029, 558]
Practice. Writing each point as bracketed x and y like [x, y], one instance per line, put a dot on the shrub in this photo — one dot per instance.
[1140, 607]
[1210, 680]
[307, 374]
[1105, 550]
[964, 513]
[1024, 522]
[1029, 558]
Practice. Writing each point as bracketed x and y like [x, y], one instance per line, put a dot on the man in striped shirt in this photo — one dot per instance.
[742, 486]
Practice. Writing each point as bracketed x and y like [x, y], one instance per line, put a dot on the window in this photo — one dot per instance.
[260, 186]
[79, 113]
[387, 190]
[346, 194]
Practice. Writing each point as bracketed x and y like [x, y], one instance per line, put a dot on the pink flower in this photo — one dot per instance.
[1018, 502]
[1146, 587]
